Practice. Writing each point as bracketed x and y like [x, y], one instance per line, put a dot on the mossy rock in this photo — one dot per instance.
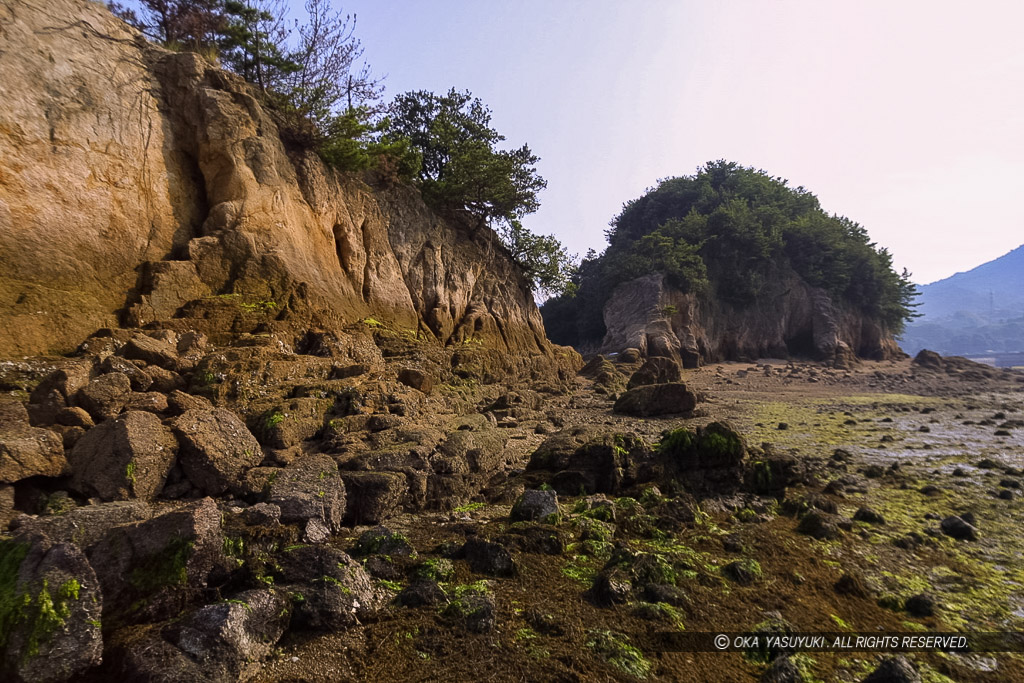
[50, 610]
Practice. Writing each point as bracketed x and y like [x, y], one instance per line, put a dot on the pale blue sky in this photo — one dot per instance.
[904, 115]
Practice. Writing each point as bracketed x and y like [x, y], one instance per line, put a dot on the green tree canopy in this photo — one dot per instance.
[729, 231]
[463, 171]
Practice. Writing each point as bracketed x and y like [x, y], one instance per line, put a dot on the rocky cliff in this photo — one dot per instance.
[793, 319]
[141, 186]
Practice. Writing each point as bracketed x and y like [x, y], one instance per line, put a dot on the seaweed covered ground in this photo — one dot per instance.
[858, 541]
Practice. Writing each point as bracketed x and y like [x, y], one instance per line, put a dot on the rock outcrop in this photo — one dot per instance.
[139, 185]
[794, 319]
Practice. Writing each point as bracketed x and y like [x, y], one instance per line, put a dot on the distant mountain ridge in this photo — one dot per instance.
[995, 287]
[974, 312]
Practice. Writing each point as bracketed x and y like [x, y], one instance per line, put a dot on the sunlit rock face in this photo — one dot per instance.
[139, 185]
[793, 319]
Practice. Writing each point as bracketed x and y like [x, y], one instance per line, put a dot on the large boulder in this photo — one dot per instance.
[27, 451]
[479, 450]
[291, 423]
[488, 557]
[711, 458]
[105, 396]
[534, 505]
[49, 611]
[87, 524]
[152, 351]
[309, 488]
[896, 669]
[656, 370]
[336, 591]
[372, 497]
[219, 643]
[656, 399]
[58, 389]
[215, 447]
[152, 570]
[592, 460]
[417, 379]
[179, 402]
[66, 380]
[959, 528]
[928, 359]
[129, 457]
[139, 378]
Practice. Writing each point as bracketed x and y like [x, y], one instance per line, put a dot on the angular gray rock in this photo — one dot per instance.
[75, 417]
[128, 457]
[152, 351]
[487, 557]
[262, 514]
[105, 396]
[151, 570]
[58, 389]
[191, 348]
[220, 643]
[214, 448]
[164, 381]
[179, 402]
[956, 527]
[139, 378]
[534, 506]
[896, 669]
[150, 401]
[54, 632]
[372, 497]
[592, 459]
[86, 525]
[656, 399]
[417, 379]
[656, 370]
[27, 451]
[310, 487]
[335, 588]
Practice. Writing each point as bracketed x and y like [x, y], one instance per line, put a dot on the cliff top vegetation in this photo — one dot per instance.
[327, 99]
[726, 232]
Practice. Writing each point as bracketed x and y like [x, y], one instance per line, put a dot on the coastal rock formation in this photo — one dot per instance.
[139, 185]
[794, 319]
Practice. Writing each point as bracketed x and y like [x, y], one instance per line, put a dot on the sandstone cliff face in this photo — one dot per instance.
[139, 185]
[794, 319]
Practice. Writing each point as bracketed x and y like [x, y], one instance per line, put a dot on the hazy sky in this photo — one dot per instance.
[907, 116]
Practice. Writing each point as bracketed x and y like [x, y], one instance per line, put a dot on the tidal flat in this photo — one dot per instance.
[886, 452]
